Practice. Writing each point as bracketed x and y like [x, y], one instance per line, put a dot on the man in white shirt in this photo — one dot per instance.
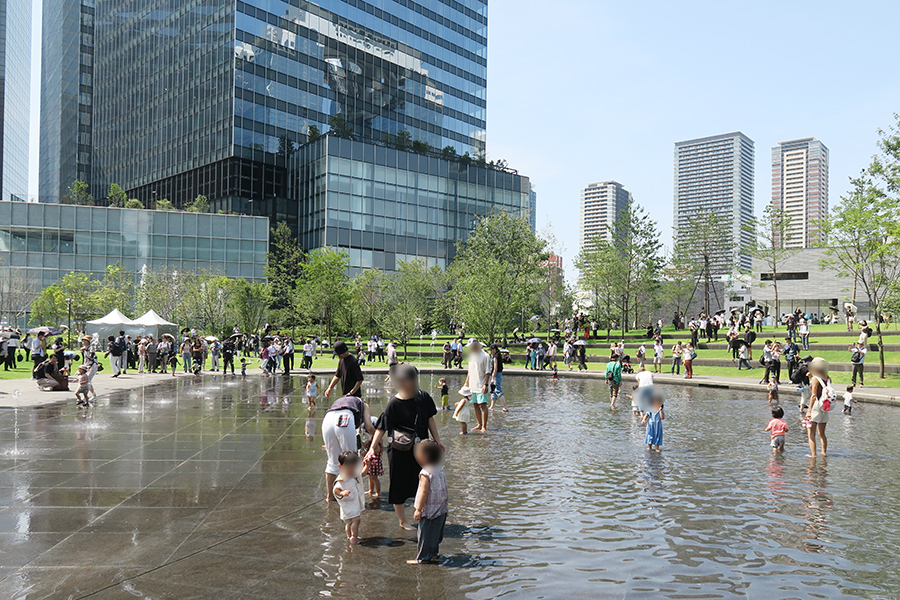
[308, 350]
[479, 381]
[643, 390]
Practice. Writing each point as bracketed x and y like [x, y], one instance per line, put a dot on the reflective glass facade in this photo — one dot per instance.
[385, 205]
[49, 240]
[15, 95]
[213, 96]
[67, 71]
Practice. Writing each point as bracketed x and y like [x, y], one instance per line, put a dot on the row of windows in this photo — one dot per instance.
[51, 267]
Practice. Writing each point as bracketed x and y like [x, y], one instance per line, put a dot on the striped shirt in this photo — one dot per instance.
[436, 503]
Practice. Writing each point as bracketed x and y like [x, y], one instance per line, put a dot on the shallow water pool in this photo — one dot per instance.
[199, 489]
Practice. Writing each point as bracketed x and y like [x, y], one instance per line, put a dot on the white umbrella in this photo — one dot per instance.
[850, 305]
[211, 338]
[580, 343]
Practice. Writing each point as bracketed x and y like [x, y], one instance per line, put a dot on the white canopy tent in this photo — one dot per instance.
[153, 324]
[112, 324]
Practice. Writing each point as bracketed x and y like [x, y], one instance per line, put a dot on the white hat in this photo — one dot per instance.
[465, 391]
[472, 342]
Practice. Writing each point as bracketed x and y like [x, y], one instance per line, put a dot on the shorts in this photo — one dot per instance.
[480, 398]
[84, 389]
[848, 409]
[778, 441]
[657, 360]
[445, 400]
[497, 391]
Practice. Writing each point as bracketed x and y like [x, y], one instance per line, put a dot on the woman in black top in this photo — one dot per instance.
[410, 413]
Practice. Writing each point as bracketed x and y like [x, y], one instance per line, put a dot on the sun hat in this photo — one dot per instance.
[473, 342]
[465, 391]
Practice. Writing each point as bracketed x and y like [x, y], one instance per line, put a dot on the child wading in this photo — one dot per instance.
[431, 501]
[445, 393]
[848, 401]
[654, 420]
[463, 412]
[376, 469]
[311, 389]
[348, 490]
[778, 427]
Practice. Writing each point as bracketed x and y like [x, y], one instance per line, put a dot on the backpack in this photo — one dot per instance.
[828, 396]
[856, 357]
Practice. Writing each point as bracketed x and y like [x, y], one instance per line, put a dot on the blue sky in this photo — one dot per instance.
[590, 90]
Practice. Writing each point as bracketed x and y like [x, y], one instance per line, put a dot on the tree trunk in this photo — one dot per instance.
[775, 285]
[880, 344]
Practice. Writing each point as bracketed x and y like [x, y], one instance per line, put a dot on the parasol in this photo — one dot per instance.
[850, 305]
[580, 343]
[169, 335]
[45, 330]
[535, 341]
[211, 338]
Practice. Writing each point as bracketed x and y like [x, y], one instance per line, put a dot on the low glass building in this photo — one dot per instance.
[49, 240]
[385, 205]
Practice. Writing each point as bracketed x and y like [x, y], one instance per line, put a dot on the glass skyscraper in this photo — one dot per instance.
[15, 95]
[217, 97]
[67, 71]
[212, 96]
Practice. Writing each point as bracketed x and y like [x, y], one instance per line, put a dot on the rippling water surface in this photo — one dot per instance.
[560, 500]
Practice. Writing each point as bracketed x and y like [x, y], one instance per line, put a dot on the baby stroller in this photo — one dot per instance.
[626, 364]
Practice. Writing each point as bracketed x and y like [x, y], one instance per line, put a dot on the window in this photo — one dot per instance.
[784, 276]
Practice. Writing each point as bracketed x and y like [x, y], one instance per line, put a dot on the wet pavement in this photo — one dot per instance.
[211, 488]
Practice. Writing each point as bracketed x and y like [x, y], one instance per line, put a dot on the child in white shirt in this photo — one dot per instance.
[848, 401]
[348, 490]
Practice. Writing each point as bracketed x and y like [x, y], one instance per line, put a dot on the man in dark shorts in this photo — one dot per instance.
[348, 373]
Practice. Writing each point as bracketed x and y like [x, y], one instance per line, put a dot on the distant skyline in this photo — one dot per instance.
[594, 90]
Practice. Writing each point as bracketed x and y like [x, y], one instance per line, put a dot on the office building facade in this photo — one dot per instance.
[601, 205]
[385, 205]
[45, 241]
[800, 189]
[67, 76]
[15, 96]
[714, 183]
[213, 97]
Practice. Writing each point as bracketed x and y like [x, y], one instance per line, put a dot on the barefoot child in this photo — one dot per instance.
[848, 401]
[349, 493]
[243, 369]
[773, 391]
[654, 420]
[778, 427]
[84, 386]
[311, 389]
[463, 411]
[431, 501]
[445, 393]
[376, 469]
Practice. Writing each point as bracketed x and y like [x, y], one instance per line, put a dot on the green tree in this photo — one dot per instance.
[283, 271]
[250, 305]
[408, 297]
[421, 147]
[636, 238]
[600, 267]
[164, 204]
[449, 152]
[18, 291]
[497, 273]
[116, 196]
[774, 237]
[115, 290]
[134, 203]
[199, 205]
[312, 134]
[165, 291]
[403, 140]
[367, 298]
[80, 193]
[863, 234]
[679, 282]
[340, 127]
[286, 146]
[707, 242]
[52, 304]
[209, 298]
[324, 291]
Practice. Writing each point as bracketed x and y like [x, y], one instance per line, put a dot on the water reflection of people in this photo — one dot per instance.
[815, 505]
[309, 429]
